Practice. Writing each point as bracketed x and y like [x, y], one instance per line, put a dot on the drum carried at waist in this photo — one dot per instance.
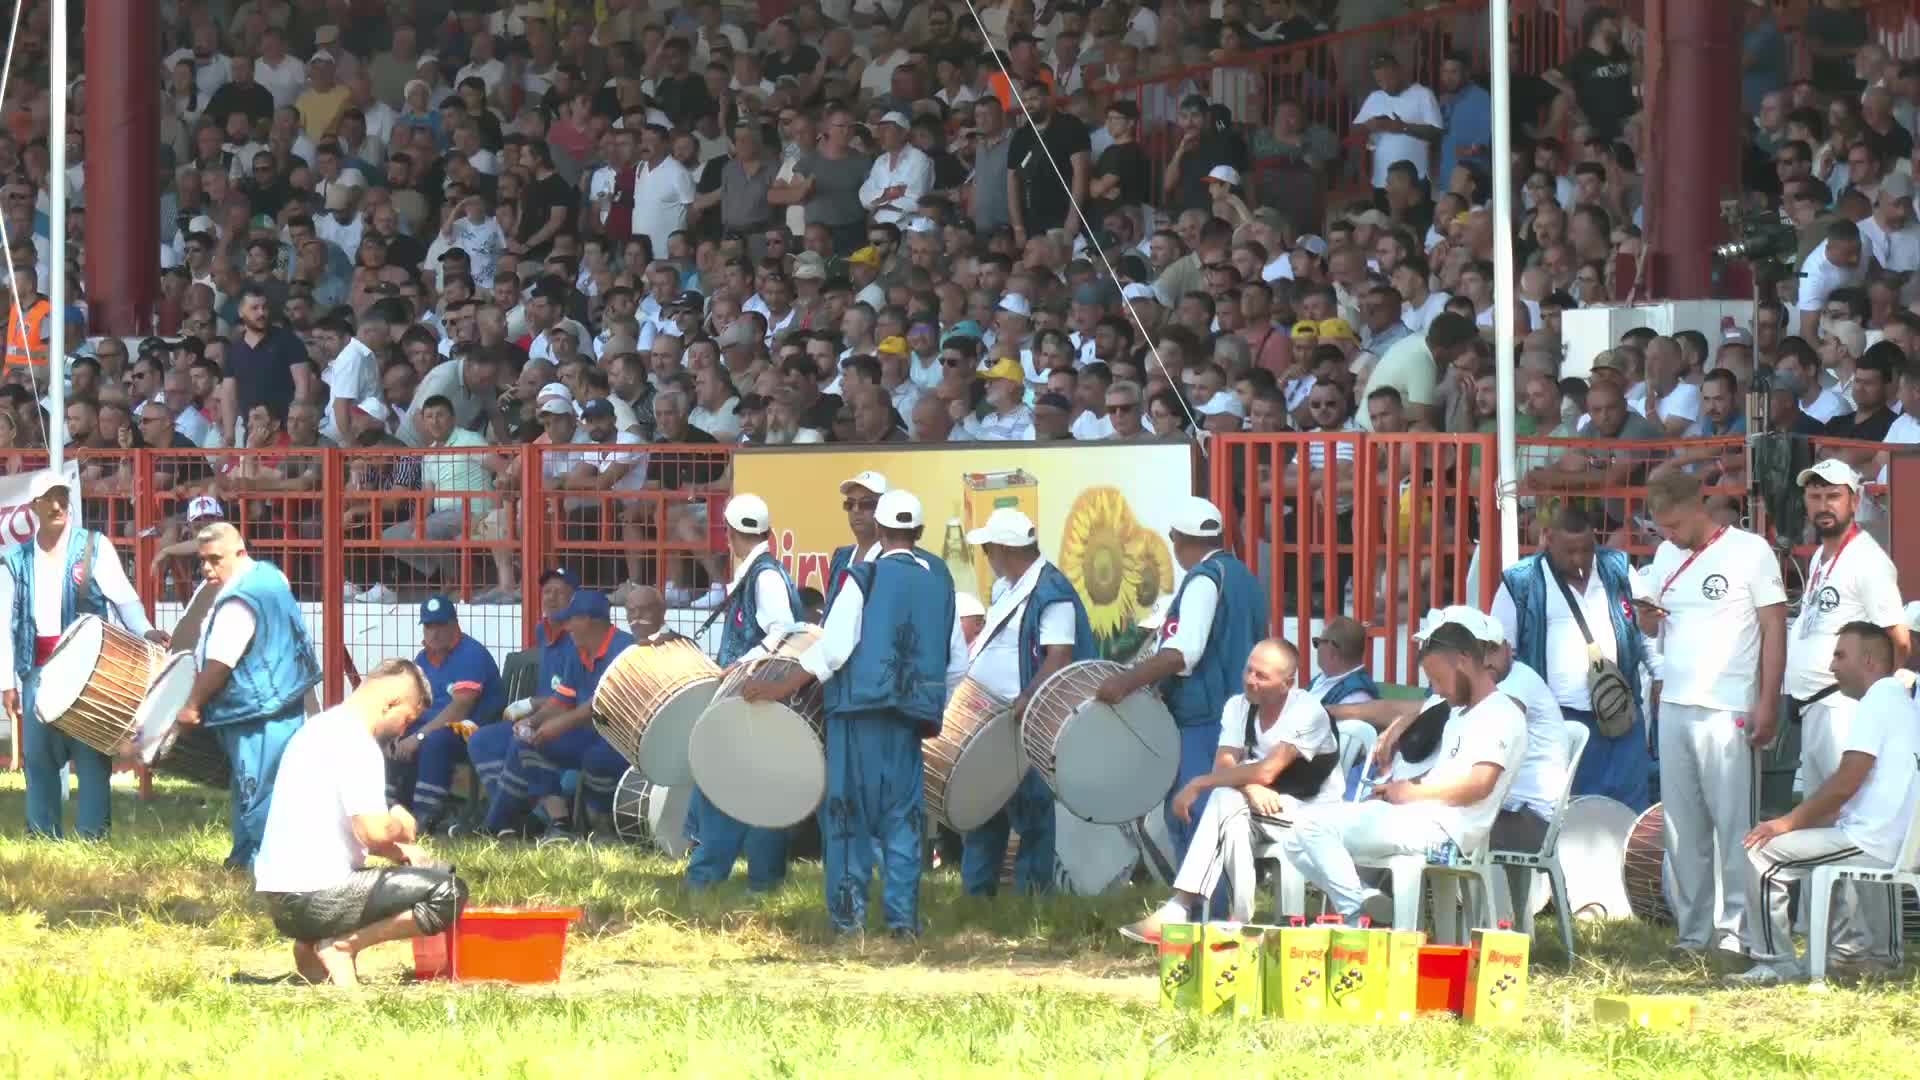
[764, 763]
[975, 764]
[1592, 848]
[648, 701]
[648, 813]
[93, 682]
[192, 753]
[1108, 764]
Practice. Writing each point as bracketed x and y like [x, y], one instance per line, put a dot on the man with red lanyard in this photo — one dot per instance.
[1719, 614]
[1849, 579]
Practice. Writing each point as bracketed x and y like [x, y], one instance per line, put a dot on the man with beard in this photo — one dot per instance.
[1052, 147]
[265, 363]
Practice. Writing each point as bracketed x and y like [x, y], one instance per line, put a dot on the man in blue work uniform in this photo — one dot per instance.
[884, 655]
[489, 747]
[559, 735]
[466, 687]
[1218, 616]
[760, 601]
[256, 666]
[52, 579]
[1035, 627]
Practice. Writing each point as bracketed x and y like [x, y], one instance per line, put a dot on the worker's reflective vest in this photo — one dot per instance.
[29, 347]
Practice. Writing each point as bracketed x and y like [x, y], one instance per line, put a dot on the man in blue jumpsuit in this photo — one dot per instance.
[559, 735]
[884, 655]
[466, 687]
[1035, 627]
[51, 580]
[1218, 615]
[490, 746]
[256, 666]
[760, 601]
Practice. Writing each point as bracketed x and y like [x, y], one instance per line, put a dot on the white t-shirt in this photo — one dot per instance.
[484, 243]
[1898, 250]
[1711, 640]
[605, 456]
[354, 374]
[1886, 725]
[1302, 723]
[1825, 407]
[1419, 318]
[333, 773]
[1416, 105]
[1493, 732]
[1682, 401]
[1818, 278]
[1543, 772]
[995, 661]
[1860, 586]
[1905, 431]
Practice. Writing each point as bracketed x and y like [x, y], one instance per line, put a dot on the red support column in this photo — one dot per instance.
[1692, 142]
[122, 165]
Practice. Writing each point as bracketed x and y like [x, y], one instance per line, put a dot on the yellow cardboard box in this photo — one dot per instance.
[1497, 978]
[1357, 974]
[1658, 1012]
[1293, 971]
[1403, 974]
[1180, 966]
[1230, 969]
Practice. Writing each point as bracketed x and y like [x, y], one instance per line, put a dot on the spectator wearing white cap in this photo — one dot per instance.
[882, 698]
[1222, 413]
[1218, 614]
[900, 175]
[761, 601]
[1890, 237]
[321, 103]
[860, 497]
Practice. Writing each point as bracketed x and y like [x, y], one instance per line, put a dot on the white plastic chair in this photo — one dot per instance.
[1547, 859]
[1905, 871]
[1290, 889]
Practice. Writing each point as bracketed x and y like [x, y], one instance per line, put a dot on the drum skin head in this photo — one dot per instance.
[66, 672]
[986, 775]
[1593, 844]
[759, 762]
[153, 720]
[663, 746]
[1089, 859]
[1113, 763]
[647, 813]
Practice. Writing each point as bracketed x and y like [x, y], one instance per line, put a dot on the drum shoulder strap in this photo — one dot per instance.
[85, 567]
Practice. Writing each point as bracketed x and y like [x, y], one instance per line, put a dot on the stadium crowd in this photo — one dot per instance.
[484, 224]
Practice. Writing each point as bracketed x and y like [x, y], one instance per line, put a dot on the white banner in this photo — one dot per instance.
[17, 523]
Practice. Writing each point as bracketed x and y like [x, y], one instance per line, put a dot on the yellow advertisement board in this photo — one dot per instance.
[1101, 511]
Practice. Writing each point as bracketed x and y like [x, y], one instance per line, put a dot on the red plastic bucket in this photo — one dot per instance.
[1443, 978]
[519, 945]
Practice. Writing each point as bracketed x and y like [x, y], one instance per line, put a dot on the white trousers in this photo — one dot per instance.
[1709, 788]
[1791, 857]
[1325, 841]
[1859, 915]
[1222, 845]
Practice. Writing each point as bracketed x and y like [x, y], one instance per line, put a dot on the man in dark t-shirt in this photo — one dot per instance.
[261, 360]
[1872, 384]
[1602, 76]
[1053, 146]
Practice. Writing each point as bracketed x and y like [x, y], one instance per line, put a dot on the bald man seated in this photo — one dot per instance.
[1278, 752]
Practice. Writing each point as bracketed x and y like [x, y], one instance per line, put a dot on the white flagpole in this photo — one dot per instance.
[1503, 283]
[57, 242]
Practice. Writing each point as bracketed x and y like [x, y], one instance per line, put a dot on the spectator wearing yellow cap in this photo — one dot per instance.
[863, 266]
[896, 360]
[1008, 418]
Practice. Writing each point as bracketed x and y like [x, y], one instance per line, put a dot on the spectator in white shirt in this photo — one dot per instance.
[1403, 118]
[1890, 235]
[1834, 264]
[901, 173]
[283, 75]
[353, 374]
[482, 65]
[1671, 401]
[715, 406]
[662, 191]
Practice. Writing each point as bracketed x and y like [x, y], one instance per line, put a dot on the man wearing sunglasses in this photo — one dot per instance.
[860, 496]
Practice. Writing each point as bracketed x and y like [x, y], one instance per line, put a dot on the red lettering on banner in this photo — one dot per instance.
[17, 523]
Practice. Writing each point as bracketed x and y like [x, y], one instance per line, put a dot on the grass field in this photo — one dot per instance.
[144, 958]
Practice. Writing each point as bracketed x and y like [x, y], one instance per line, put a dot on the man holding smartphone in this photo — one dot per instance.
[1718, 612]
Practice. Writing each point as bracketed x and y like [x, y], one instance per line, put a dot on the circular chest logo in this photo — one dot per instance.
[1827, 599]
[1714, 587]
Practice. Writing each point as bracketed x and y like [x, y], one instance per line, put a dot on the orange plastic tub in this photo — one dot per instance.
[505, 944]
[1443, 978]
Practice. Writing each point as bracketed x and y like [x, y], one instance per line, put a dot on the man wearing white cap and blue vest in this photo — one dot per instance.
[887, 647]
[1218, 615]
[760, 601]
[859, 497]
[59, 574]
[1036, 626]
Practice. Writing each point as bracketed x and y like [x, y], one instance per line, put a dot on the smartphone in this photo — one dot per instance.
[1642, 602]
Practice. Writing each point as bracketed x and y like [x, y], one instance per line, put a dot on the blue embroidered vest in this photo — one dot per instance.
[1528, 583]
[278, 668]
[73, 604]
[1239, 622]
[1052, 588]
[899, 666]
[742, 631]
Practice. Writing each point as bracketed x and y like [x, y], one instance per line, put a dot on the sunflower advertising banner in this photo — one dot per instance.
[1100, 510]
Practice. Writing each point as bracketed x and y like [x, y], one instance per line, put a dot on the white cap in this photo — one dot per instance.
[374, 408]
[921, 224]
[967, 605]
[202, 223]
[44, 481]
[1222, 402]
[1017, 304]
[898, 509]
[1194, 516]
[1831, 471]
[749, 514]
[1481, 625]
[1226, 174]
[322, 55]
[897, 119]
[1140, 291]
[204, 506]
[556, 406]
[425, 58]
[554, 390]
[870, 480]
[1006, 526]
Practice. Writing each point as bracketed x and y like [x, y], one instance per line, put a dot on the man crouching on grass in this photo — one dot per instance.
[329, 813]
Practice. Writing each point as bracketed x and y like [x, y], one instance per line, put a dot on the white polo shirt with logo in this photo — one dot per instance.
[1711, 639]
[1860, 585]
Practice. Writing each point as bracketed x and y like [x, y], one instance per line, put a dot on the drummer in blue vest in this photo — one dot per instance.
[256, 666]
[560, 735]
[1035, 627]
[1218, 615]
[465, 682]
[884, 656]
[490, 747]
[859, 497]
[52, 579]
[760, 601]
